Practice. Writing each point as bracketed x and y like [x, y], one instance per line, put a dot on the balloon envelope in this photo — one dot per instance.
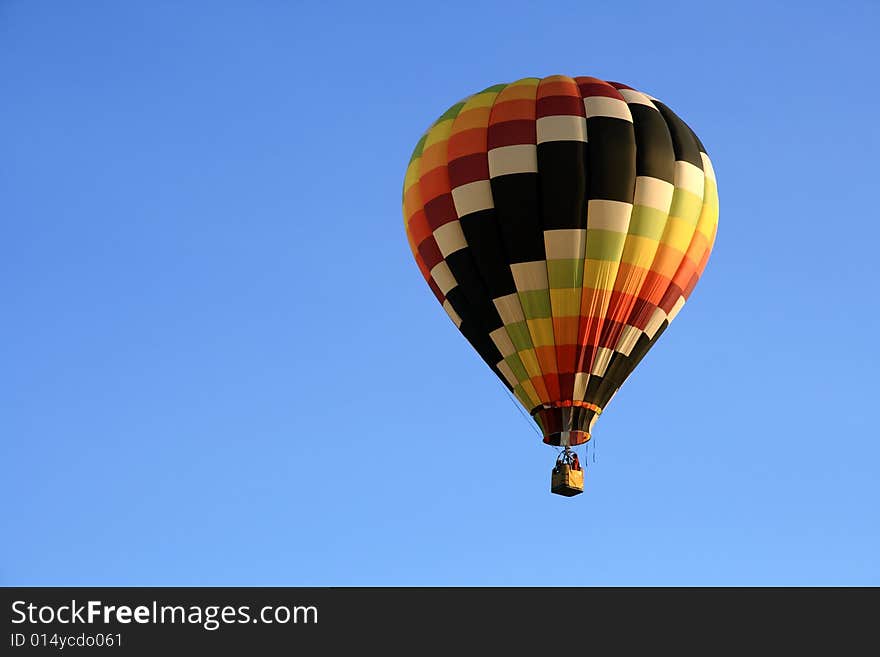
[561, 223]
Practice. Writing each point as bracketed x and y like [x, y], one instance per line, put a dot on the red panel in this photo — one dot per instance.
[468, 169]
[670, 298]
[560, 106]
[419, 228]
[440, 211]
[511, 133]
[430, 253]
[596, 87]
[611, 331]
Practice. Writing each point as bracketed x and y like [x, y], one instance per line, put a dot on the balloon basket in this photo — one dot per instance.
[567, 478]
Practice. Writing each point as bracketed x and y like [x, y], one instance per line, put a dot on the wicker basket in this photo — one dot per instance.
[566, 481]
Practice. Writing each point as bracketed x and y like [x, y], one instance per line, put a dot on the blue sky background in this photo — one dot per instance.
[221, 366]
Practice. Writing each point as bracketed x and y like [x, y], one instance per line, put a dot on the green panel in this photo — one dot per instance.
[420, 147]
[647, 222]
[535, 304]
[686, 205]
[451, 113]
[519, 336]
[516, 366]
[521, 395]
[565, 273]
[604, 244]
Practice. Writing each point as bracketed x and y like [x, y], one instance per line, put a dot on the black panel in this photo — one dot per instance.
[620, 367]
[483, 236]
[612, 158]
[655, 156]
[562, 168]
[518, 211]
[470, 284]
[684, 141]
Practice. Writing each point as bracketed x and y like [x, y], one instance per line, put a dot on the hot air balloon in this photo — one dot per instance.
[562, 223]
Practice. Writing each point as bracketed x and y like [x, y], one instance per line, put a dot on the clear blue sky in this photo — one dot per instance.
[221, 365]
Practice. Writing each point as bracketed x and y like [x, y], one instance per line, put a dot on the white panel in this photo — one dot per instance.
[628, 338]
[654, 193]
[443, 277]
[509, 308]
[605, 106]
[708, 169]
[451, 312]
[502, 341]
[608, 215]
[637, 97]
[654, 323]
[561, 128]
[676, 308]
[521, 158]
[689, 177]
[530, 275]
[504, 368]
[565, 243]
[603, 357]
[472, 197]
[580, 385]
[450, 238]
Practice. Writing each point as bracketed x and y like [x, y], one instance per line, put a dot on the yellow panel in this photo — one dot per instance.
[599, 274]
[530, 362]
[520, 90]
[438, 132]
[412, 175]
[435, 153]
[542, 332]
[479, 100]
[678, 233]
[639, 251]
[470, 119]
[566, 302]
[532, 393]
[709, 214]
[412, 202]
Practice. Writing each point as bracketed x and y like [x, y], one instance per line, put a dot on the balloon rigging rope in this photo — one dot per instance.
[521, 411]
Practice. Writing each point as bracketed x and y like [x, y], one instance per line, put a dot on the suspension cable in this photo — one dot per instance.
[522, 412]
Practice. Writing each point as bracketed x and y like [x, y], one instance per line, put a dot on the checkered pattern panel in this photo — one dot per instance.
[562, 223]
